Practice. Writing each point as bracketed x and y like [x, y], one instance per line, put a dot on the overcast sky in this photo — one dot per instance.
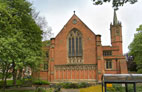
[97, 18]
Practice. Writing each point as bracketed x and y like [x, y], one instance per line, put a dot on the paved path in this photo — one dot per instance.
[69, 90]
[22, 88]
[33, 88]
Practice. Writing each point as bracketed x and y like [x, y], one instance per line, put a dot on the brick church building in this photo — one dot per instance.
[76, 53]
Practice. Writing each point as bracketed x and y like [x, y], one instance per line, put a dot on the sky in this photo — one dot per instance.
[97, 18]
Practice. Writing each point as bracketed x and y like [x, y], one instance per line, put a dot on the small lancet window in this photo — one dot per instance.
[108, 64]
[107, 53]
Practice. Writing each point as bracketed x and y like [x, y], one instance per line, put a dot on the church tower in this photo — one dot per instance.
[116, 34]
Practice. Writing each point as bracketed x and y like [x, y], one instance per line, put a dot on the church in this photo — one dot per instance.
[76, 54]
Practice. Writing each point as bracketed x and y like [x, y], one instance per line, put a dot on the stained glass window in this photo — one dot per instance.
[69, 46]
[77, 46]
[74, 43]
[80, 46]
[73, 49]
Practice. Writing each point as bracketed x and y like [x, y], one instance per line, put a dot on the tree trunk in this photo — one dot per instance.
[5, 83]
[14, 73]
[4, 80]
[3, 72]
[20, 73]
[5, 77]
[14, 77]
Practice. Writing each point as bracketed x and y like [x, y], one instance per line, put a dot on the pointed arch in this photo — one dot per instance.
[75, 45]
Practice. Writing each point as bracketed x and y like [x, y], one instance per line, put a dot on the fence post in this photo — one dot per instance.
[105, 87]
[102, 87]
[126, 87]
[134, 85]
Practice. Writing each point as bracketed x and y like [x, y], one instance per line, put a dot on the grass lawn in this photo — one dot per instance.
[114, 88]
[97, 88]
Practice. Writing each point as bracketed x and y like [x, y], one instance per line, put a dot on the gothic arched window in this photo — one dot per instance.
[75, 46]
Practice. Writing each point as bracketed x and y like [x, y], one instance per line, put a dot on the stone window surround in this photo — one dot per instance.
[108, 67]
[78, 55]
[107, 52]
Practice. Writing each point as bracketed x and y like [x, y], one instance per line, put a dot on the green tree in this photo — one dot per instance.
[42, 23]
[136, 48]
[115, 3]
[20, 37]
[10, 49]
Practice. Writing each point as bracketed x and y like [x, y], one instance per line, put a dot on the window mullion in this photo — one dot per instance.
[75, 46]
[71, 46]
[73, 51]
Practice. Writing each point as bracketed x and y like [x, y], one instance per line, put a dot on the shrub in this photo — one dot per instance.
[59, 85]
[39, 89]
[27, 82]
[73, 85]
[64, 85]
[50, 90]
[83, 85]
[40, 82]
[68, 85]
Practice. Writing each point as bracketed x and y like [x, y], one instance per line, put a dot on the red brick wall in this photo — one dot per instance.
[92, 54]
[89, 43]
[43, 75]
